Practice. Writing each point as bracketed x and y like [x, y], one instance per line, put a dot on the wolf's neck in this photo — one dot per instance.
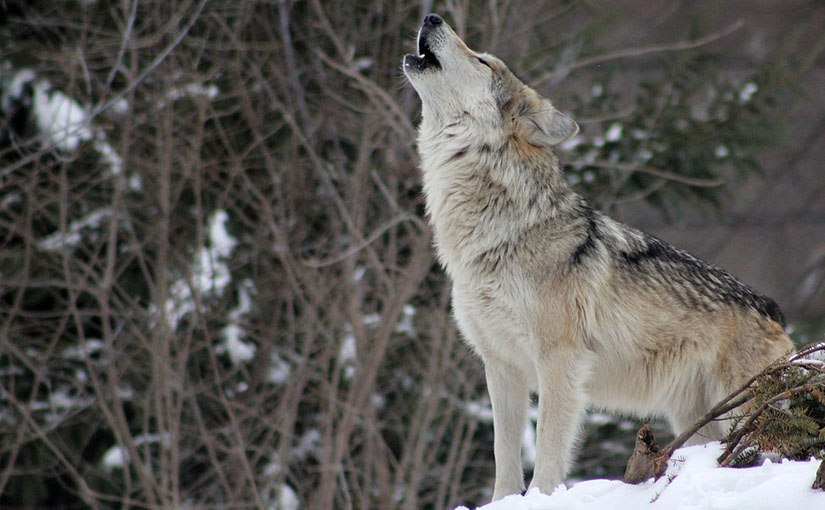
[481, 193]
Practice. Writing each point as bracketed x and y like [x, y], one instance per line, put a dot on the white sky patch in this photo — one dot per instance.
[721, 151]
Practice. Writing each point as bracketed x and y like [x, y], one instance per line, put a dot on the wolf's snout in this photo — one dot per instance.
[433, 19]
[425, 58]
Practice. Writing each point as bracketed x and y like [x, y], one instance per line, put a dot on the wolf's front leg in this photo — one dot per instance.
[561, 375]
[509, 398]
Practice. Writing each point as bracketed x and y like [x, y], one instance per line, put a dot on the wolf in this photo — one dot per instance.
[556, 297]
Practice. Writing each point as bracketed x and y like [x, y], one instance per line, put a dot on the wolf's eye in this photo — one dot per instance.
[483, 62]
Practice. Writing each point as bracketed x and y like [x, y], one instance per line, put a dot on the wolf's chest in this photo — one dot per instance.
[494, 321]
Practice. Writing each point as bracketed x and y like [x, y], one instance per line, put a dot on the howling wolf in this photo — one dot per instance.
[556, 297]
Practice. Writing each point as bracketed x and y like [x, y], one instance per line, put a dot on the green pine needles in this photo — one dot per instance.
[785, 414]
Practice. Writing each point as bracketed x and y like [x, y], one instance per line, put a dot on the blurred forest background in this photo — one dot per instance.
[217, 287]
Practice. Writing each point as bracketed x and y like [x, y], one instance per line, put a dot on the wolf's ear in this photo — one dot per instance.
[541, 124]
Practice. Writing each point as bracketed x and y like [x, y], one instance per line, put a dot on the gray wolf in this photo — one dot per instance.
[556, 297]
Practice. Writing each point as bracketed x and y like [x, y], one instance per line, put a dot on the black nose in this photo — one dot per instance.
[433, 19]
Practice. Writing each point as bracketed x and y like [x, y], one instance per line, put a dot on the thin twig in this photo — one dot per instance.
[664, 174]
[641, 51]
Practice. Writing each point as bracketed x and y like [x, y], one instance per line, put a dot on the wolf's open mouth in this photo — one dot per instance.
[425, 58]
[425, 53]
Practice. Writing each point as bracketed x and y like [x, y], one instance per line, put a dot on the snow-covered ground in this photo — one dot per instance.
[693, 481]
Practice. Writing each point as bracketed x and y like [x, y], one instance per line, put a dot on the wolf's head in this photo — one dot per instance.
[455, 83]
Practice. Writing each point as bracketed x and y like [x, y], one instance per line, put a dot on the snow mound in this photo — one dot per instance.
[693, 481]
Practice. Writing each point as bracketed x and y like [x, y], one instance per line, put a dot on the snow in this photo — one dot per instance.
[108, 154]
[348, 355]
[84, 350]
[279, 370]
[693, 481]
[571, 143]
[233, 344]
[287, 499]
[528, 446]
[405, 325]
[59, 240]
[480, 410]
[64, 122]
[191, 90]
[747, 92]
[614, 132]
[16, 85]
[60, 117]
[210, 274]
[117, 457]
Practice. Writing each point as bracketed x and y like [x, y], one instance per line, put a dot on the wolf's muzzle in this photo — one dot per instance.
[426, 58]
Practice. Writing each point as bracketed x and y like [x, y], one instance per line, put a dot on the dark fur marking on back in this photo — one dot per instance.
[695, 275]
[588, 245]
